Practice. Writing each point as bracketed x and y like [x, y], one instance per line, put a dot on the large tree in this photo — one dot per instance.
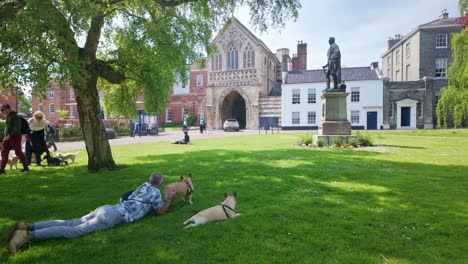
[130, 47]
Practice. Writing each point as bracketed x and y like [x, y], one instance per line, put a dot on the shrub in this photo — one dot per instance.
[338, 142]
[320, 142]
[191, 119]
[173, 124]
[306, 138]
[70, 132]
[122, 129]
[364, 139]
[353, 142]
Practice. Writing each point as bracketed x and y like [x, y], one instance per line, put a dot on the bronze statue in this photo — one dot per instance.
[333, 66]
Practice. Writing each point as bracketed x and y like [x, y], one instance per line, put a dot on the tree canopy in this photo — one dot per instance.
[129, 47]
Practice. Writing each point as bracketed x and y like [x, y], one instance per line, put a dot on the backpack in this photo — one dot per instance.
[24, 126]
[125, 196]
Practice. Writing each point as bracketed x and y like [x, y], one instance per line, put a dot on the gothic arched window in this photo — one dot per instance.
[249, 57]
[216, 62]
[232, 58]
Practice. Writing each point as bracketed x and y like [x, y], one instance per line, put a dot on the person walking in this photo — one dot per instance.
[12, 138]
[146, 198]
[38, 125]
[136, 129]
[202, 125]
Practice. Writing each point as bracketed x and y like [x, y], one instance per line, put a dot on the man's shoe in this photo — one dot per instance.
[2, 171]
[25, 169]
[19, 241]
[17, 226]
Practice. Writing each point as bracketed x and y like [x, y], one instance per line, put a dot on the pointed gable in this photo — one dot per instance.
[234, 32]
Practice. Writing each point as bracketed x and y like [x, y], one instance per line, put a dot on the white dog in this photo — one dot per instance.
[219, 212]
[67, 156]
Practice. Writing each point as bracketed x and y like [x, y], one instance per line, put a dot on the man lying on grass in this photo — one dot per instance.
[146, 197]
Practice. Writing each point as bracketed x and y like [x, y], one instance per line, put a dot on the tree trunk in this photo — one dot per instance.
[94, 133]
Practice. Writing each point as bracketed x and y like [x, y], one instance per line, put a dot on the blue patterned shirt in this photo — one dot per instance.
[145, 198]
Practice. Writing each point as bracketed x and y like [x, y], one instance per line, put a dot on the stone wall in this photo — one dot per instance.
[425, 91]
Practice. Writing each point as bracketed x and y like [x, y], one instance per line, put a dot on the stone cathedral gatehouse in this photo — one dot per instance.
[242, 74]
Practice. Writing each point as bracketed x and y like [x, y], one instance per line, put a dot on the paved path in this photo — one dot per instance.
[168, 136]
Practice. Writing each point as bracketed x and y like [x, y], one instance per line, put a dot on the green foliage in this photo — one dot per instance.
[173, 124]
[320, 142]
[364, 139]
[352, 141]
[306, 138]
[338, 142]
[402, 203]
[70, 132]
[24, 104]
[463, 6]
[191, 118]
[454, 99]
[122, 129]
[2, 127]
[63, 114]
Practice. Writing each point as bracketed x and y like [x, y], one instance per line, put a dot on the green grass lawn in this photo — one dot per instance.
[405, 201]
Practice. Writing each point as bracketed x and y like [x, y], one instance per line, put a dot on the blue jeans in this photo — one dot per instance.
[102, 218]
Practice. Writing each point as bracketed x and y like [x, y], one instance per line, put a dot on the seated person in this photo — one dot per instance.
[185, 140]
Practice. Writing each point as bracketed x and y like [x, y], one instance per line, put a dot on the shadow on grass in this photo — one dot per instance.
[299, 204]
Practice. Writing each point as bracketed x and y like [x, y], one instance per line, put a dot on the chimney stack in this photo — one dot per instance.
[299, 60]
[392, 41]
[444, 14]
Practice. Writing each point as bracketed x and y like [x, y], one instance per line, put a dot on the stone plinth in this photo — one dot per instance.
[335, 123]
[335, 120]
[334, 106]
[335, 128]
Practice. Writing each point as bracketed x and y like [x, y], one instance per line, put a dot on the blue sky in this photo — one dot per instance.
[361, 27]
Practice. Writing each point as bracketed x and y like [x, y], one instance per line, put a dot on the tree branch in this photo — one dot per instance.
[169, 3]
[106, 71]
[94, 33]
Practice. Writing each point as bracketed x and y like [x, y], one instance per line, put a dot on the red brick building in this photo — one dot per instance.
[56, 99]
[185, 99]
[8, 96]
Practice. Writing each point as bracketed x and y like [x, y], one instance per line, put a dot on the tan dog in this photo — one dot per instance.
[219, 212]
[67, 156]
[12, 161]
[183, 188]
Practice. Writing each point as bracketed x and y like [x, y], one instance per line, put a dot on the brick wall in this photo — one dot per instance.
[190, 101]
[299, 60]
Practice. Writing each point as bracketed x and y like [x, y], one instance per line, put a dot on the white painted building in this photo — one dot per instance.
[302, 106]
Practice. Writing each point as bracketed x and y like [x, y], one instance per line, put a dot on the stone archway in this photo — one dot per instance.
[233, 106]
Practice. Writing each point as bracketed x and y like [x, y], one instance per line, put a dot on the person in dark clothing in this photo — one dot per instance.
[12, 138]
[50, 137]
[38, 125]
[185, 140]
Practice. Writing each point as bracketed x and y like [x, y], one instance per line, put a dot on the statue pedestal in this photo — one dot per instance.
[335, 122]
